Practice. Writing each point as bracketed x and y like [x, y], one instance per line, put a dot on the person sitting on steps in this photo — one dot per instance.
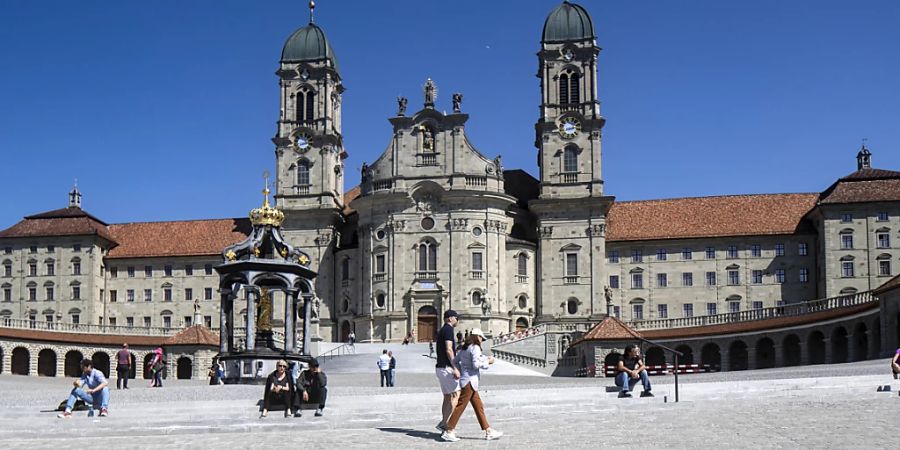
[279, 387]
[631, 368]
[311, 388]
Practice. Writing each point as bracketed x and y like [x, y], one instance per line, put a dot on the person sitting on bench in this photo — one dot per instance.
[279, 389]
[311, 388]
[631, 368]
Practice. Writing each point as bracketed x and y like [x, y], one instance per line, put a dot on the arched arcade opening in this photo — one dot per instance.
[791, 350]
[839, 345]
[72, 365]
[185, 368]
[737, 356]
[21, 361]
[46, 363]
[711, 356]
[765, 353]
[815, 346]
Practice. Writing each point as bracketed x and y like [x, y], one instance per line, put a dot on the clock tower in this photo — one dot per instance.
[571, 207]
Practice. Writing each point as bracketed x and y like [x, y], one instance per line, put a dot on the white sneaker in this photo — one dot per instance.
[449, 436]
[492, 434]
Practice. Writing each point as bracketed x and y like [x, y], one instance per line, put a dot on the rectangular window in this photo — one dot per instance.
[846, 241]
[32, 269]
[804, 275]
[779, 276]
[711, 309]
[148, 295]
[49, 293]
[7, 294]
[637, 281]
[617, 312]
[882, 217]
[147, 321]
[614, 281]
[129, 295]
[50, 269]
[207, 293]
[379, 264]
[687, 279]
[33, 249]
[687, 310]
[129, 322]
[884, 240]
[734, 307]
[32, 294]
[731, 252]
[687, 254]
[187, 321]
[148, 271]
[571, 264]
[734, 278]
[76, 248]
[76, 292]
[847, 269]
[51, 249]
[76, 268]
[756, 250]
[710, 278]
[114, 272]
[613, 256]
[662, 280]
[167, 321]
[662, 311]
[757, 305]
[188, 270]
[710, 253]
[7, 270]
[661, 254]
[208, 269]
[637, 312]
[846, 218]
[779, 249]
[7, 250]
[112, 321]
[477, 261]
[167, 270]
[207, 320]
[884, 267]
[167, 295]
[113, 296]
[757, 276]
[637, 256]
[802, 249]
[130, 271]
[189, 294]
[76, 319]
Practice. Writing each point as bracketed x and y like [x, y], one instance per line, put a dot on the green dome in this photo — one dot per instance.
[568, 22]
[308, 44]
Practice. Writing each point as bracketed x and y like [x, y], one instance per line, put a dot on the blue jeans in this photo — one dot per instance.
[392, 377]
[385, 378]
[101, 397]
[624, 381]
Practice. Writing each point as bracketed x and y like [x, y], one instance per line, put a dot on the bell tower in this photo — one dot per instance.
[571, 208]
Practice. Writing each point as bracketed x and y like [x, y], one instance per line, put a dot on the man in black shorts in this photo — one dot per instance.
[447, 374]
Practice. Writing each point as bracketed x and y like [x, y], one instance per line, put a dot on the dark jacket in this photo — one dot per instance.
[309, 381]
[393, 363]
[273, 379]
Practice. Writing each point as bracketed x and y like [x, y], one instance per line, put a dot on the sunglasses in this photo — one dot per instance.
[282, 365]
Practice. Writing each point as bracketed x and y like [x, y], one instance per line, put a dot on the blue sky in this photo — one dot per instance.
[165, 110]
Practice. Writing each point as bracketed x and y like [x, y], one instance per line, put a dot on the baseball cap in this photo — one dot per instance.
[450, 313]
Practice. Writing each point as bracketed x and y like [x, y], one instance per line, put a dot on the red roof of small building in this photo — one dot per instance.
[178, 238]
[695, 217]
[195, 335]
[609, 329]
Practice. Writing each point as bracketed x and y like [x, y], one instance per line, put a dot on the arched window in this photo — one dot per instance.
[570, 159]
[303, 173]
[572, 306]
[523, 301]
[310, 106]
[305, 105]
[427, 256]
[574, 91]
[564, 89]
[522, 265]
[476, 298]
[345, 269]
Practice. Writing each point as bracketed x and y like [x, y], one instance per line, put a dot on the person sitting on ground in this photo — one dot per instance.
[278, 387]
[895, 364]
[92, 388]
[631, 368]
[311, 388]
[470, 361]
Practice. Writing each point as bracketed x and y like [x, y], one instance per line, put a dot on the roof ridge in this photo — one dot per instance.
[715, 196]
[181, 221]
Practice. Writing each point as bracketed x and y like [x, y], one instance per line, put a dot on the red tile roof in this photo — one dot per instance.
[349, 196]
[71, 221]
[695, 217]
[859, 191]
[610, 329]
[890, 285]
[195, 335]
[83, 338]
[181, 238]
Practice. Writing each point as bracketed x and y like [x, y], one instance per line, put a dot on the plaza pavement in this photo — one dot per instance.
[806, 407]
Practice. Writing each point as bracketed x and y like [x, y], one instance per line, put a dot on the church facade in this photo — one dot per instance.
[437, 224]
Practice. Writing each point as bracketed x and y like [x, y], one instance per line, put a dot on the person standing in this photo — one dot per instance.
[351, 341]
[446, 373]
[123, 367]
[393, 370]
[471, 361]
[157, 366]
[384, 365]
[92, 388]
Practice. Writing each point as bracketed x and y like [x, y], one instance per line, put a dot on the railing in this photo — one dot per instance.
[520, 334]
[382, 185]
[519, 359]
[343, 349]
[521, 278]
[472, 181]
[26, 324]
[426, 275]
[570, 279]
[428, 159]
[379, 277]
[476, 275]
[789, 310]
[569, 177]
[301, 190]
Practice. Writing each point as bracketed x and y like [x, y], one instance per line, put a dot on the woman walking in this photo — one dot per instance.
[157, 366]
[470, 362]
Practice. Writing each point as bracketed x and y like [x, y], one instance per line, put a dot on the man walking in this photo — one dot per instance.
[447, 374]
[384, 365]
[123, 367]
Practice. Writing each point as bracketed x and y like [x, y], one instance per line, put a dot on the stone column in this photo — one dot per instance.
[290, 339]
[871, 350]
[779, 355]
[6, 362]
[804, 354]
[306, 324]
[751, 358]
[225, 330]
[251, 294]
[828, 353]
[725, 366]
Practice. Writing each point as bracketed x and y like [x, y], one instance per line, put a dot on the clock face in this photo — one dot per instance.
[302, 142]
[569, 127]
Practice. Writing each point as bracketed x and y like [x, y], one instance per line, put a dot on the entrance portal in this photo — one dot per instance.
[345, 331]
[426, 324]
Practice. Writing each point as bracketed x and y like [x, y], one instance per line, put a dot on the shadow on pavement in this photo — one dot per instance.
[414, 433]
